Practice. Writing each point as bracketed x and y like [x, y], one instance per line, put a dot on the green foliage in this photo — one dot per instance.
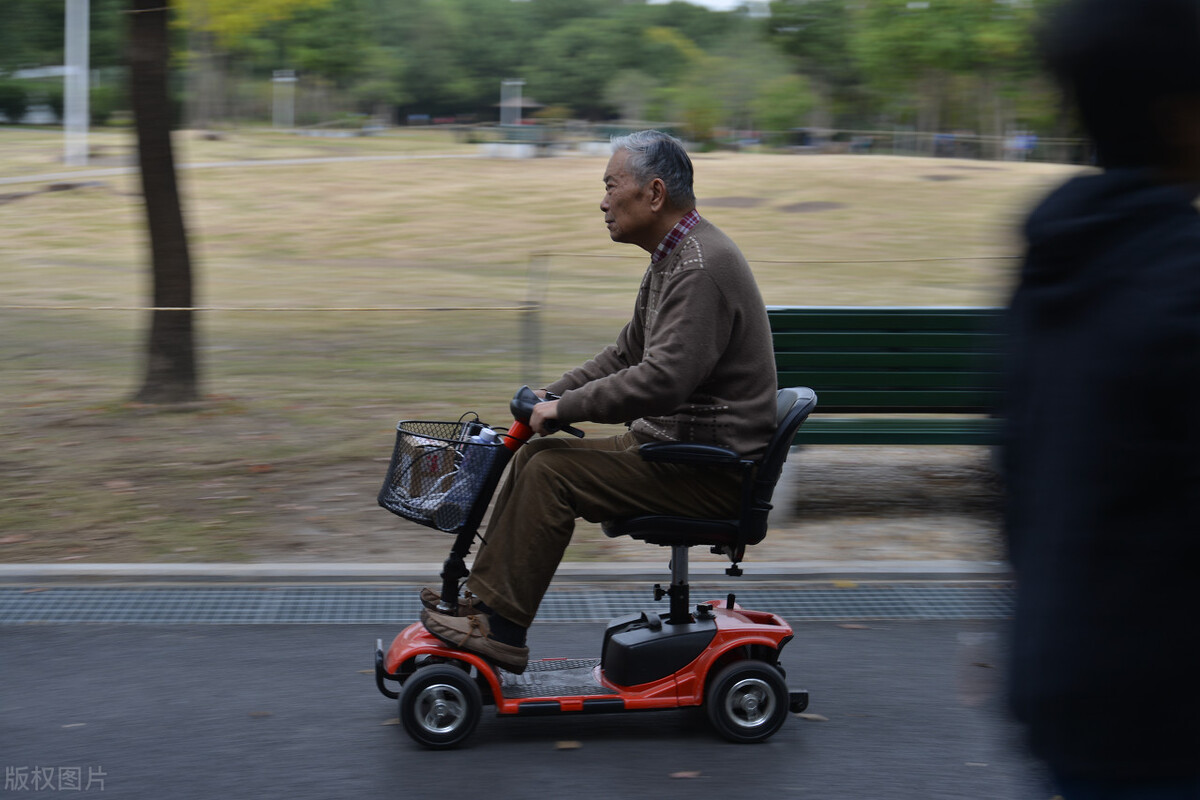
[630, 92]
[865, 63]
[55, 98]
[14, 100]
[552, 114]
[699, 111]
[31, 33]
[234, 20]
[104, 101]
[573, 64]
[818, 34]
[782, 103]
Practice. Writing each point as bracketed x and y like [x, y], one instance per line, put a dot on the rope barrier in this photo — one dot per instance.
[806, 261]
[264, 308]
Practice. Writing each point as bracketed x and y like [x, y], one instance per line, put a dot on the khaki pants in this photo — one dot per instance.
[552, 482]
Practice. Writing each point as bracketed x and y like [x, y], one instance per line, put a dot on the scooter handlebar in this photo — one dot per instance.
[522, 409]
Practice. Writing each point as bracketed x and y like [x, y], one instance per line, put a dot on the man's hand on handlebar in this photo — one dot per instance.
[542, 413]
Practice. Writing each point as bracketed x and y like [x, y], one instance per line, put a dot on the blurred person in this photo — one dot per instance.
[1102, 456]
[695, 364]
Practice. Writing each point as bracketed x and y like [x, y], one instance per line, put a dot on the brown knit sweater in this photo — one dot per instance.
[695, 364]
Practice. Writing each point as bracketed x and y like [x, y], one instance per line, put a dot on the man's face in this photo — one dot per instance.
[627, 208]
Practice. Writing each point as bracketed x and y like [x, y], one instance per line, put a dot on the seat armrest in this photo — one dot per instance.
[687, 453]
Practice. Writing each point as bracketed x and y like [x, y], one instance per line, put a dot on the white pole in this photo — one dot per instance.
[75, 89]
[283, 86]
[510, 101]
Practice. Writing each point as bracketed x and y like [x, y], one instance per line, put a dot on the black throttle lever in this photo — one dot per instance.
[522, 409]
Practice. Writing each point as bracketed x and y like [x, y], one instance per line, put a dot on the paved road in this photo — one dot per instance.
[911, 708]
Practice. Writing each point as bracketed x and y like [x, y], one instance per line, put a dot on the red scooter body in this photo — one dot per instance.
[722, 656]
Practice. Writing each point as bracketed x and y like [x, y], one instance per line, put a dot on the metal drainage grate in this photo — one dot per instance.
[355, 605]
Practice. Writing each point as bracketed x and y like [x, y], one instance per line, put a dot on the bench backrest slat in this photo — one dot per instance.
[880, 318]
[890, 360]
[884, 341]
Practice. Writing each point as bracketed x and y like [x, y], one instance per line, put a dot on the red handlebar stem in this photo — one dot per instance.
[518, 435]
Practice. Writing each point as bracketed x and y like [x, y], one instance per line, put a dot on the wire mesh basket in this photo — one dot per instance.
[438, 472]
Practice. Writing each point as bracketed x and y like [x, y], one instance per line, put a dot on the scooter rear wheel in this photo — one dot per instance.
[747, 701]
[440, 706]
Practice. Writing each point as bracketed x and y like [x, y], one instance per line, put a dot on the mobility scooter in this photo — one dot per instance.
[717, 654]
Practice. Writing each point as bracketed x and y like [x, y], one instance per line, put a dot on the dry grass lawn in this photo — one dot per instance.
[283, 458]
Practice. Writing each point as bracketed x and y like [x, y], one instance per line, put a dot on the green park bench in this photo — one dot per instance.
[892, 375]
[538, 135]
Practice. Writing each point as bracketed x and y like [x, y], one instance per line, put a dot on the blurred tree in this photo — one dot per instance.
[699, 109]
[217, 27]
[629, 92]
[547, 16]
[31, 34]
[920, 48]
[667, 53]
[14, 100]
[700, 25]
[738, 71]
[1002, 61]
[912, 48]
[171, 373]
[493, 41]
[819, 35]
[573, 63]
[435, 78]
[781, 104]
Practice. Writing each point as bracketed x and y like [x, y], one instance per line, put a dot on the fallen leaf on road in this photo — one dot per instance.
[392, 721]
[686, 774]
[568, 744]
[813, 717]
[854, 626]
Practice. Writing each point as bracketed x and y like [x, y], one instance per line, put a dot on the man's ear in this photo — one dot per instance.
[659, 199]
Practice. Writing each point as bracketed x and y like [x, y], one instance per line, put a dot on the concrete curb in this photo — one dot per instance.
[606, 572]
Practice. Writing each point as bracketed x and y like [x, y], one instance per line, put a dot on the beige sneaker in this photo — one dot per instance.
[466, 604]
[470, 633]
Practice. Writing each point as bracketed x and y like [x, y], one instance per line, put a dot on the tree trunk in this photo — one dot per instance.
[171, 354]
[929, 102]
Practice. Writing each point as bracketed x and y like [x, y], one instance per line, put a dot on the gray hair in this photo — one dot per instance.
[654, 154]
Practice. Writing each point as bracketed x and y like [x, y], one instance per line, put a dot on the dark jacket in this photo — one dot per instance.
[1102, 464]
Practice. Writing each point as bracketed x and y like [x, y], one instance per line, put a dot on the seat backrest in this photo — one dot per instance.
[793, 405]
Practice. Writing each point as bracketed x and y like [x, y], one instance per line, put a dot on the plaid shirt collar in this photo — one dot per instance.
[675, 236]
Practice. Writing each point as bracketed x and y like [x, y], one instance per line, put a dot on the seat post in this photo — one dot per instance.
[679, 591]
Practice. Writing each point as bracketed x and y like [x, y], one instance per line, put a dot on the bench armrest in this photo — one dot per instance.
[687, 453]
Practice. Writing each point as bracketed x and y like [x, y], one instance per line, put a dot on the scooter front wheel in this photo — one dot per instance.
[440, 706]
[747, 701]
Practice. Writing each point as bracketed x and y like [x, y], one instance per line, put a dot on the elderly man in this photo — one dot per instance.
[695, 364]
